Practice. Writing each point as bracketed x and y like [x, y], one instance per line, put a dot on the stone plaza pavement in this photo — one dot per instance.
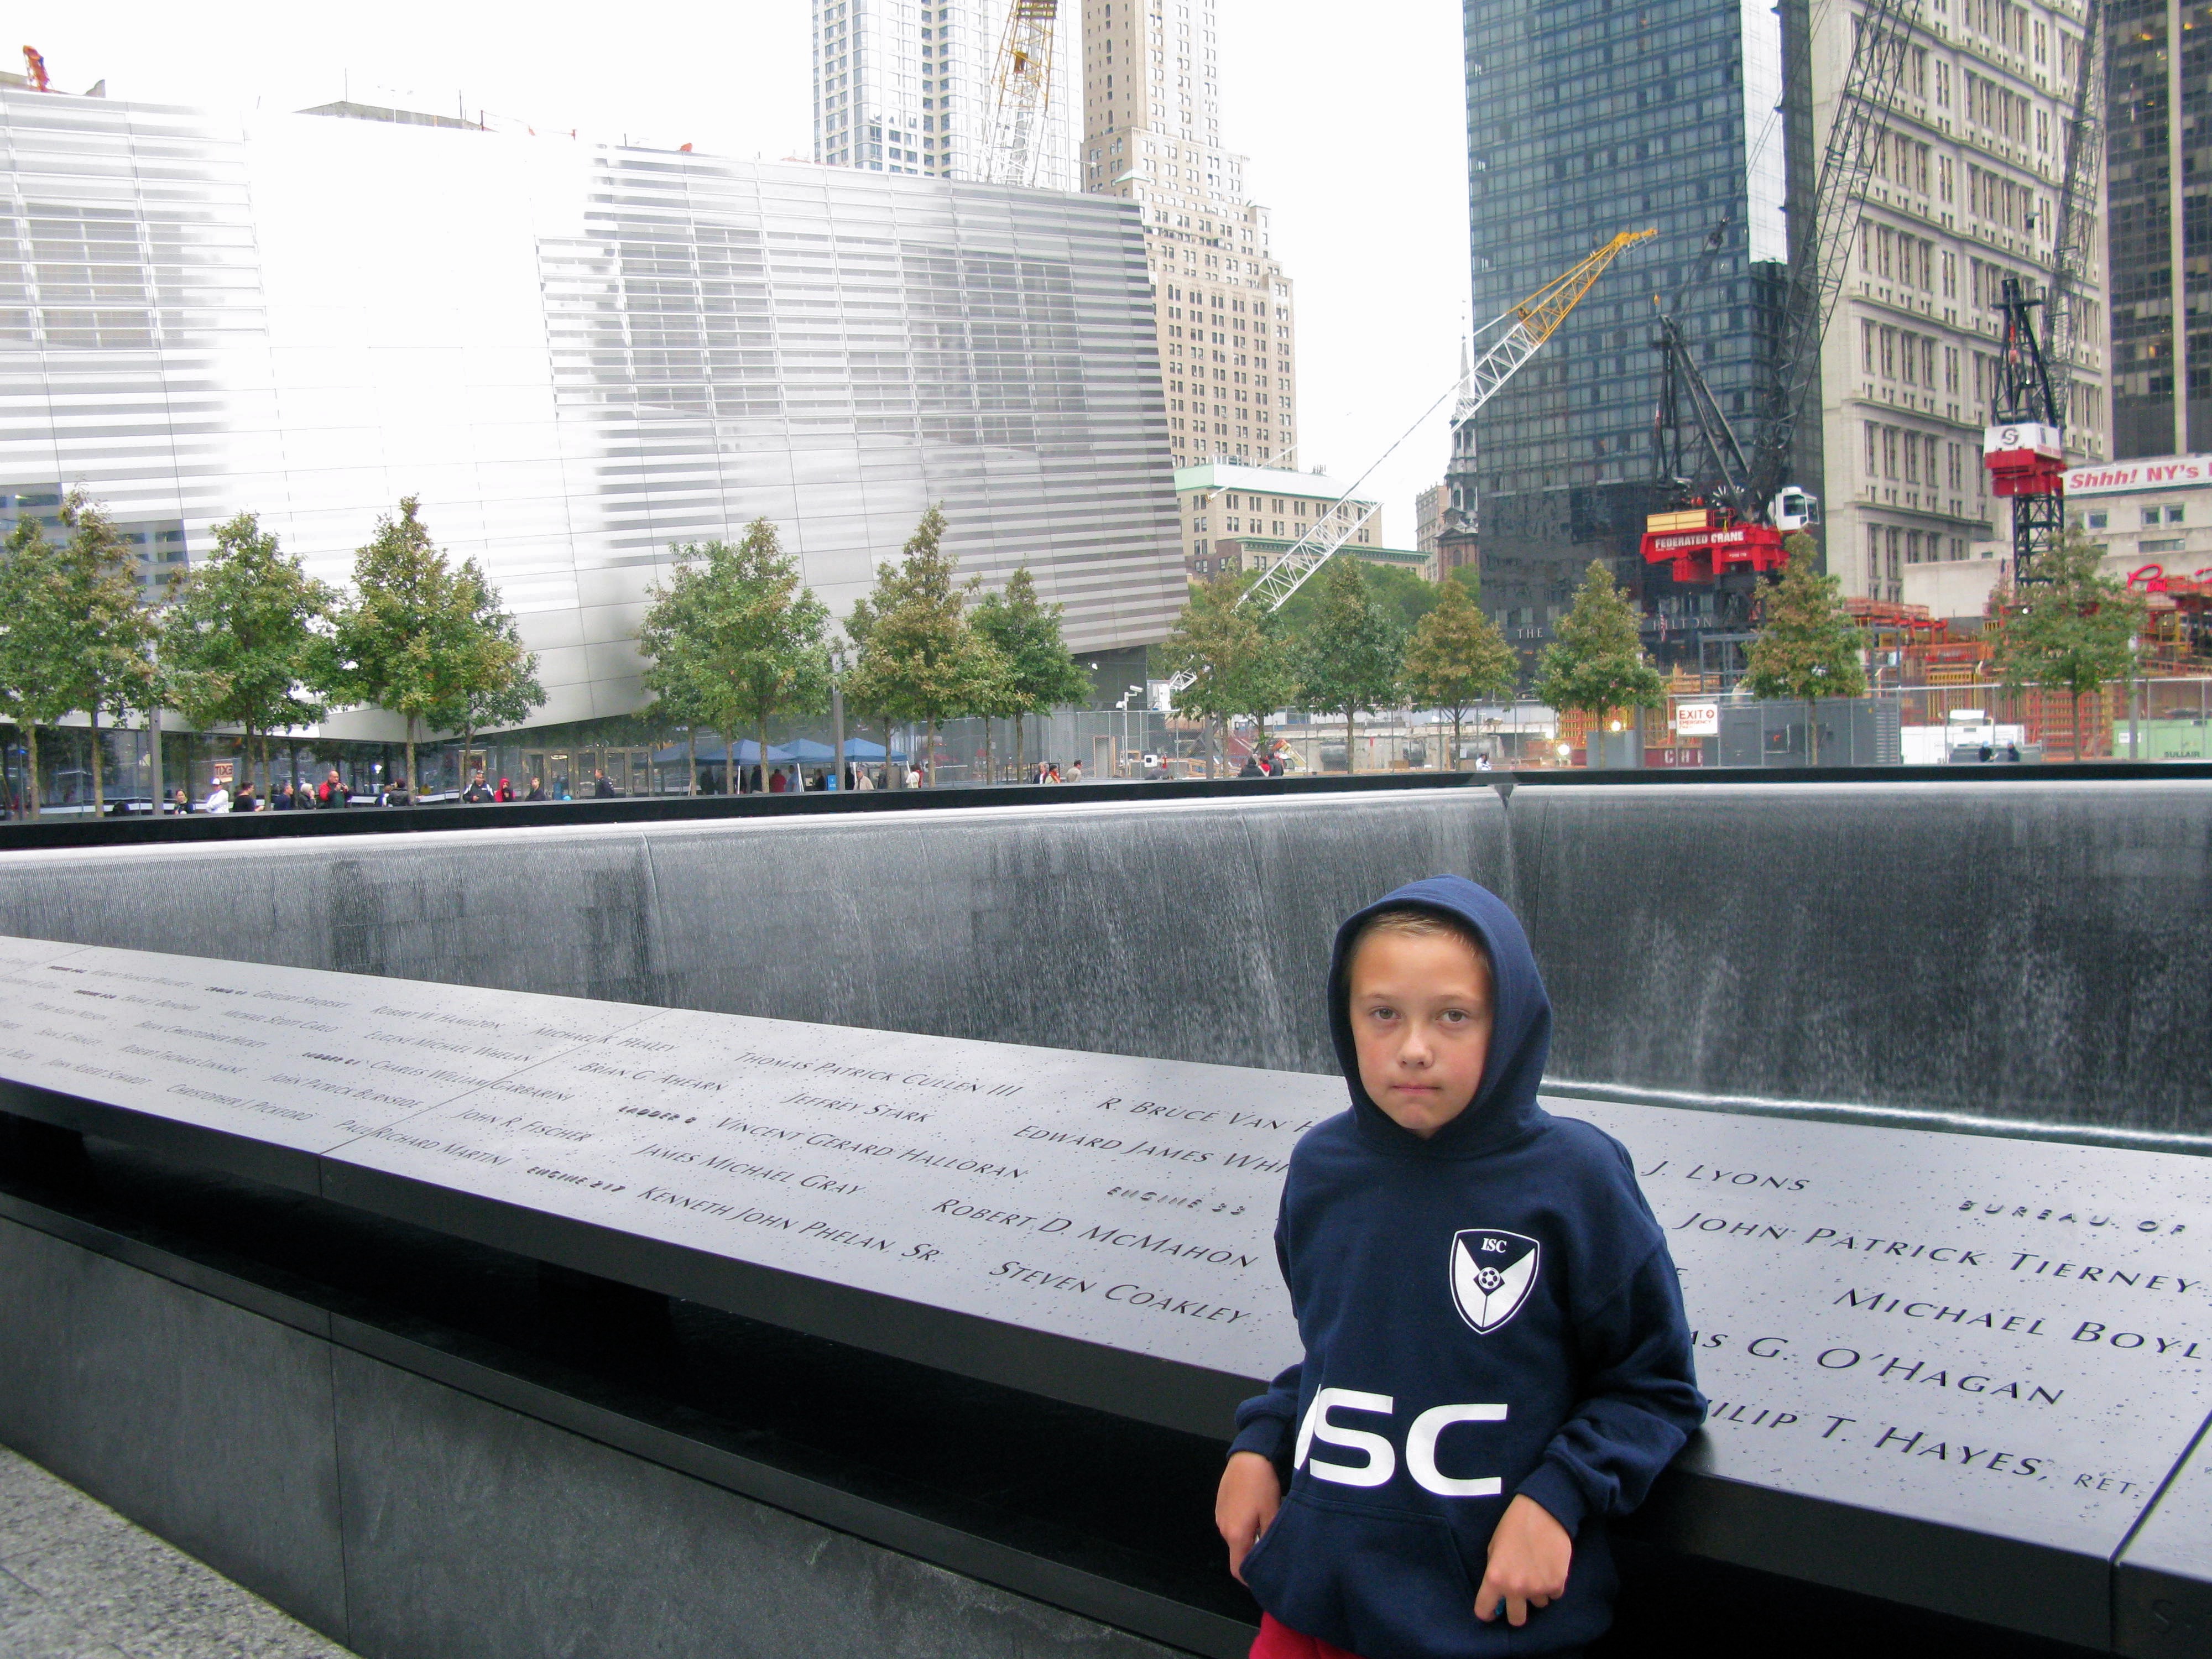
[77, 1581]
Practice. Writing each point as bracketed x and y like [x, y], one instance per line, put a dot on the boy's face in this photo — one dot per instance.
[1420, 1025]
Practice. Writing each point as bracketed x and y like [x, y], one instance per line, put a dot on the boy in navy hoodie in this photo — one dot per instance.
[1496, 1358]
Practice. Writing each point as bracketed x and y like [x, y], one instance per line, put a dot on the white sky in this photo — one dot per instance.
[1352, 116]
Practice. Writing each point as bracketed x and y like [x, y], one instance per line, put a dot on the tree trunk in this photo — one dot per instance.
[763, 750]
[1350, 764]
[1811, 733]
[932, 752]
[31, 760]
[1455, 753]
[1021, 752]
[414, 782]
[100, 781]
[691, 759]
[990, 773]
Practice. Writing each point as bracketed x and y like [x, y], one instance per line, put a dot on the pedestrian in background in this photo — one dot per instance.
[602, 787]
[218, 799]
[536, 790]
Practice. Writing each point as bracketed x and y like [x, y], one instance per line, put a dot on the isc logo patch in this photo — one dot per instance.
[1491, 1274]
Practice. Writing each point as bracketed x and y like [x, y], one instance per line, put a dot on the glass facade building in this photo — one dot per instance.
[901, 87]
[1586, 117]
[2159, 188]
[576, 356]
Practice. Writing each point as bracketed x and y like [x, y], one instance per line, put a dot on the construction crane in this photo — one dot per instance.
[1715, 523]
[1023, 81]
[1729, 509]
[1530, 323]
[2024, 447]
[2077, 216]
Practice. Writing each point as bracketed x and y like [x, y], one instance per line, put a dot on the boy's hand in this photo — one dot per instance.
[1245, 1505]
[1528, 1557]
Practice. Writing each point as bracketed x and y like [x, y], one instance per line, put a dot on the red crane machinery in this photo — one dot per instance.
[1727, 513]
[2024, 447]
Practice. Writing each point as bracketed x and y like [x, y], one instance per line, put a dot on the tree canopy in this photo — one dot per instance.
[423, 641]
[44, 637]
[921, 658]
[239, 640]
[1040, 676]
[1595, 663]
[736, 638]
[2072, 629]
[1808, 647]
[1243, 662]
[1349, 655]
[1457, 659]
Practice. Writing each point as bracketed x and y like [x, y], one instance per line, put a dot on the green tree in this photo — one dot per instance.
[665, 639]
[240, 644]
[736, 636]
[1350, 653]
[494, 678]
[118, 665]
[1457, 659]
[392, 645]
[921, 656]
[43, 640]
[1596, 663]
[1241, 663]
[1041, 675]
[1404, 596]
[1808, 647]
[2072, 629]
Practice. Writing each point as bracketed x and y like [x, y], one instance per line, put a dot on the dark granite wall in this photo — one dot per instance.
[409, 1519]
[2019, 950]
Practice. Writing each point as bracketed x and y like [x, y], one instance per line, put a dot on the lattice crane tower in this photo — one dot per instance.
[1024, 91]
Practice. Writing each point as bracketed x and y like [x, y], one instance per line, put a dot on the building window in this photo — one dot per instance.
[2099, 521]
[2174, 514]
[2150, 516]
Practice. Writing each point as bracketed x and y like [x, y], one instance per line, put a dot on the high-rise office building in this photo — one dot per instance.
[1965, 192]
[2159, 187]
[901, 87]
[1586, 117]
[1152, 134]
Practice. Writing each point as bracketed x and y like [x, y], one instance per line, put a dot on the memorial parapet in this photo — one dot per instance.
[1951, 1370]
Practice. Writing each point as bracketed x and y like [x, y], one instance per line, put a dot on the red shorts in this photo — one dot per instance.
[1276, 1640]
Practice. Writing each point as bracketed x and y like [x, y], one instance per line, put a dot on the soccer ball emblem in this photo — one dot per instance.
[1489, 1278]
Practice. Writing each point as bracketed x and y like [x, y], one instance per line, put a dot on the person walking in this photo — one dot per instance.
[603, 787]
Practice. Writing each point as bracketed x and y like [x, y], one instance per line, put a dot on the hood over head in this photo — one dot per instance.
[1504, 1106]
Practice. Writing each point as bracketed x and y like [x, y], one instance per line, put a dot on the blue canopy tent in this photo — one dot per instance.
[748, 753]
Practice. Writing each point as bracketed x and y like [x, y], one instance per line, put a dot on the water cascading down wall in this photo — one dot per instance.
[2023, 952]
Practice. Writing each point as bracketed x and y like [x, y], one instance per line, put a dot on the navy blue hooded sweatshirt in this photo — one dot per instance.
[1487, 1312]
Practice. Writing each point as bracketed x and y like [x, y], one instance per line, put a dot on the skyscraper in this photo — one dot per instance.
[1152, 133]
[2160, 84]
[1965, 192]
[901, 87]
[1586, 117]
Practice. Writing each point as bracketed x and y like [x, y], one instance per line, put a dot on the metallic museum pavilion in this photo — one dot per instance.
[576, 355]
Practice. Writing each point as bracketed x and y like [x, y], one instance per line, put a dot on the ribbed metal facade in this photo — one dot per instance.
[576, 356]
